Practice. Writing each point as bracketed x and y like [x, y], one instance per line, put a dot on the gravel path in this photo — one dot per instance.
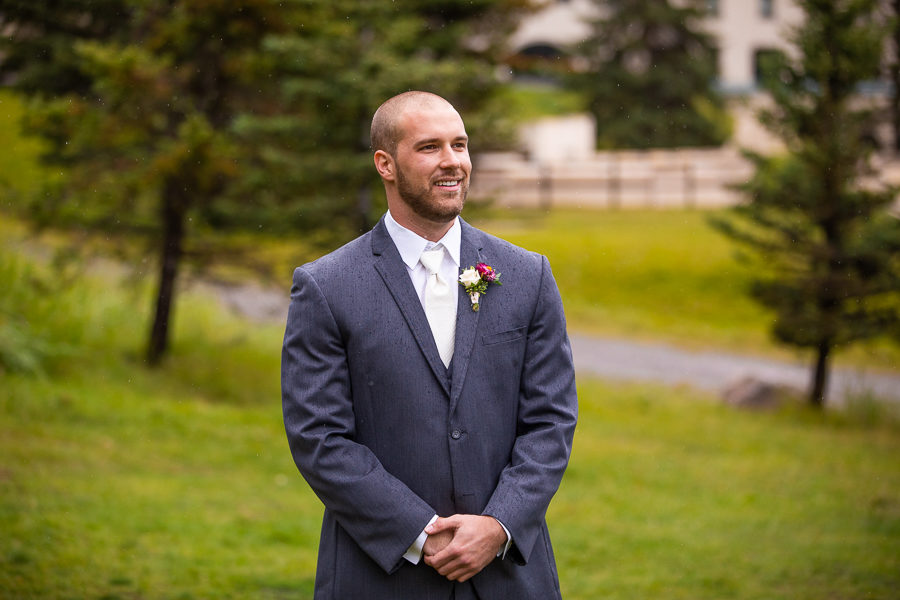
[625, 360]
[641, 361]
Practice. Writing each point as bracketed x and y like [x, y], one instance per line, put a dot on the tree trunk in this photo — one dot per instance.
[820, 376]
[173, 212]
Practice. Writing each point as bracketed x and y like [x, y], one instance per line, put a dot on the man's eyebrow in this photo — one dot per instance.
[463, 138]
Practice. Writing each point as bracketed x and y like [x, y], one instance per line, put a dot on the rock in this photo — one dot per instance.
[755, 394]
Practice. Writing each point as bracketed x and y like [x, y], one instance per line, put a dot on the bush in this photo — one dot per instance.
[29, 320]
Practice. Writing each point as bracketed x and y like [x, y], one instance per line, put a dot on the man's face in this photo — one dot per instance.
[433, 164]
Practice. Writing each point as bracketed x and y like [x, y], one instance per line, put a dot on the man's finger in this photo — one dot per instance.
[475, 542]
[443, 558]
[436, 542]
[459, 572]
[441, 524]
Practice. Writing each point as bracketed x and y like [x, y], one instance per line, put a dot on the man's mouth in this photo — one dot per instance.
[448, 184]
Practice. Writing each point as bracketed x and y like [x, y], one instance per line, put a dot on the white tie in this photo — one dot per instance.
[440, 310]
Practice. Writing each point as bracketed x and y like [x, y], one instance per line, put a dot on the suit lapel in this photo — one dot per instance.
[393, 271]
[466, 318]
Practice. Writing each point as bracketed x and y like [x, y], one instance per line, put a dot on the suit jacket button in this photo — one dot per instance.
[456, 434]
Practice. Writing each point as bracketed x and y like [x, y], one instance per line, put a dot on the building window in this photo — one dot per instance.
[767, 8]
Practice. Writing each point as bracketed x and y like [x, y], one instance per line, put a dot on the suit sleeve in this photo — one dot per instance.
[548, 410]
[377, 510]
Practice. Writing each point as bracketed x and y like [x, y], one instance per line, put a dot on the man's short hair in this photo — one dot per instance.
[385, 133]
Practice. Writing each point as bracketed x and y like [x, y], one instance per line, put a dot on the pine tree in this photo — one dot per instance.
[36, 46]
[136, 100]
[829, 248]
[337, 69]
[650, 75]
[173, 117]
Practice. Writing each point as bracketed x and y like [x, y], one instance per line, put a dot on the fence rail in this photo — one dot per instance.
[681, 178]
[654, 178]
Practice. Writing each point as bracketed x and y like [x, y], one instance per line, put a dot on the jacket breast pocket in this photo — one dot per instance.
[503, 336]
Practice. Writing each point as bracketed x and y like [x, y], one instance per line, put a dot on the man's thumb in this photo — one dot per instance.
[440, 524]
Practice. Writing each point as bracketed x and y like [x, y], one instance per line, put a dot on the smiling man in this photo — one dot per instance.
[429, 408]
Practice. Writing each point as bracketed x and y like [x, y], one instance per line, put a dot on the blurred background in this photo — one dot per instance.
[715, 184]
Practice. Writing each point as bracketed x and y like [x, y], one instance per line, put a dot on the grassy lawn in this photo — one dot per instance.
[526, 102]
[670, 495]
[121, 482]
[655, 275]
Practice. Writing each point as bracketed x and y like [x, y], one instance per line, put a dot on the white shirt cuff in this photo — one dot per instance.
[505, 548]
[414, 552]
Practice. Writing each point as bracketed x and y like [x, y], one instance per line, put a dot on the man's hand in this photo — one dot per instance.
[435, 542]
[476, 539]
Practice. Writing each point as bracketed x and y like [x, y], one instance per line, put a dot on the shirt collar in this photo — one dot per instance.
[410, 245]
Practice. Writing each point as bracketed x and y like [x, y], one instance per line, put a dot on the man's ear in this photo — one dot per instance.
[384, 163]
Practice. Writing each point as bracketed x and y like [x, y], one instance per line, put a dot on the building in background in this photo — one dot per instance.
[746, 30]
[559, 164]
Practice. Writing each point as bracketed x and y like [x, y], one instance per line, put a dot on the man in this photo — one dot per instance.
[435, 434]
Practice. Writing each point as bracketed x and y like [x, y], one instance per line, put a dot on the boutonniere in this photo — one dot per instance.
[475, 281]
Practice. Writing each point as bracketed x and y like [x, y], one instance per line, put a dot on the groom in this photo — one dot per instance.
[433, 420]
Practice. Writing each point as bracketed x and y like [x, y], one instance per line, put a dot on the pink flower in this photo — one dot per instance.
[486, 271]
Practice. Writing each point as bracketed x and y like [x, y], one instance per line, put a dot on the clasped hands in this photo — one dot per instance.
[460, 546]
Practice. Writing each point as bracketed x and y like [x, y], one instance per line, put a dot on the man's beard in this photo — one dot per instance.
[424, 204]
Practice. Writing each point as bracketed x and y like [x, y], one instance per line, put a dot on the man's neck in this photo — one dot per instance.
[430, 230]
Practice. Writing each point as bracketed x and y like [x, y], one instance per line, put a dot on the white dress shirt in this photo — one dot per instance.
[410, 246]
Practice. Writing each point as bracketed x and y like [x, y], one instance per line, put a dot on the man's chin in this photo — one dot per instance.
[441, 214]
[435, 208]
[454, 205]
[448, 215]
[442, 217]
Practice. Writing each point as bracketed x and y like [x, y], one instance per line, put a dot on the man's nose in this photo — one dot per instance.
[450, 158]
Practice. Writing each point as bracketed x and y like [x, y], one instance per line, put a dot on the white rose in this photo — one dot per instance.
[469, 277]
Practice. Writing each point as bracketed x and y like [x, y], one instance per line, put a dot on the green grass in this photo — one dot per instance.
[654, 275]
[670, 495]
[123, 482]
[525, 102]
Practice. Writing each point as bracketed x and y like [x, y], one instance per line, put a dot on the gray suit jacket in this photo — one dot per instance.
[387, 436]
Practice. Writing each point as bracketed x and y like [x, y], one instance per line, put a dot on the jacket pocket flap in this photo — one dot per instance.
[503, 336]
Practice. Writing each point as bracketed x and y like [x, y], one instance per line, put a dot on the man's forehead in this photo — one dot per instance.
[432, 121]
